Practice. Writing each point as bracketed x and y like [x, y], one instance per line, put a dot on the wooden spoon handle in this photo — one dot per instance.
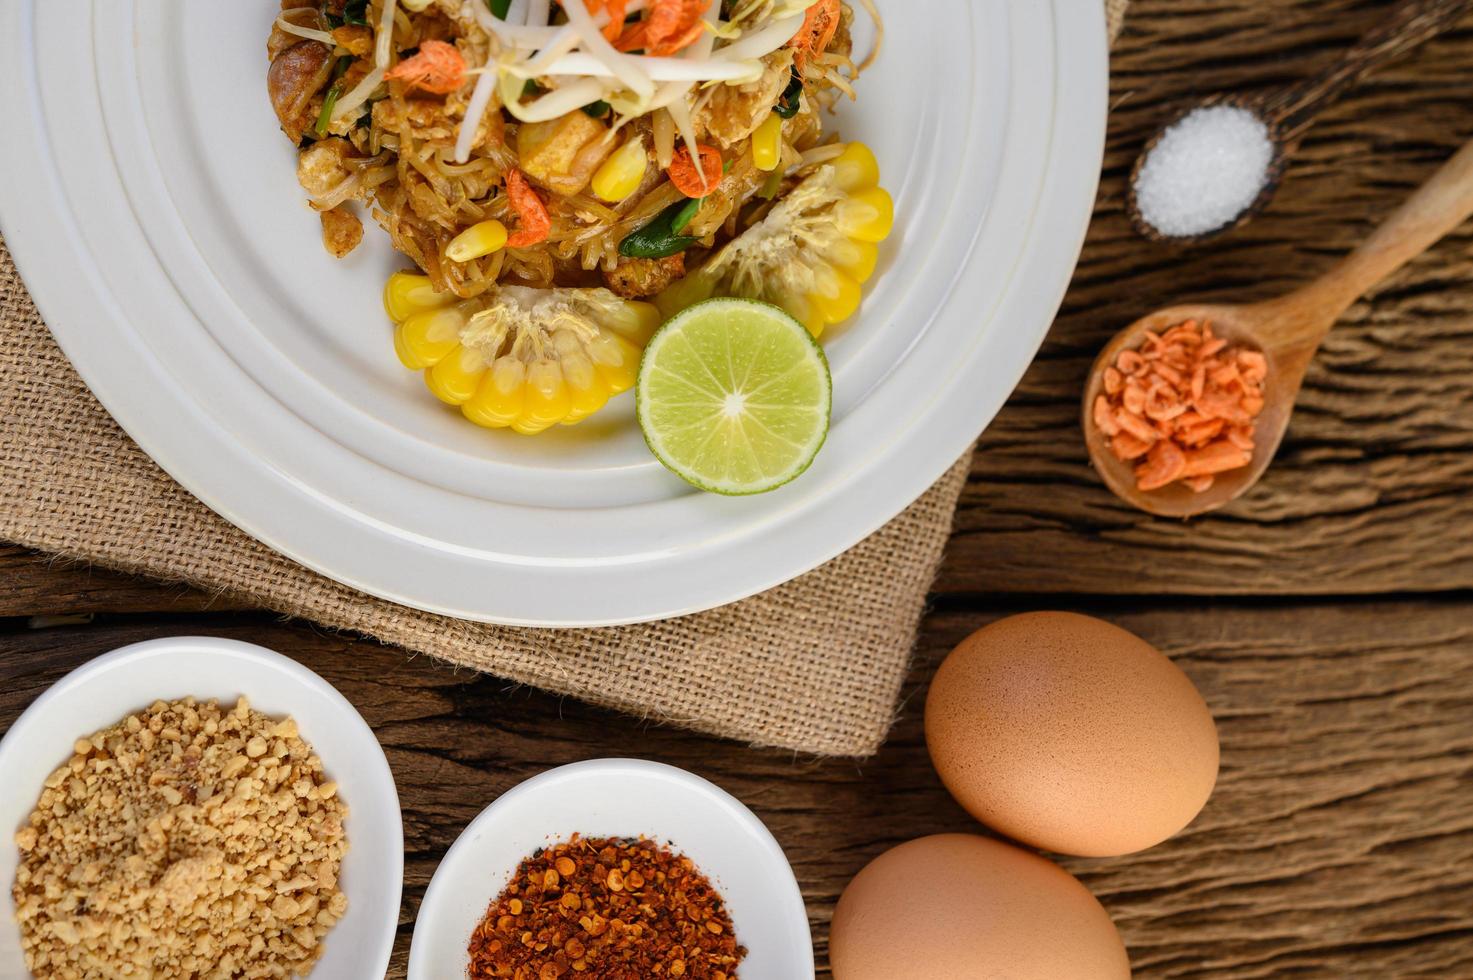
[1438, 207]
[1414, 23]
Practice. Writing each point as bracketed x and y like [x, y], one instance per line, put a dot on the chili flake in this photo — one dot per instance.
[607, 908]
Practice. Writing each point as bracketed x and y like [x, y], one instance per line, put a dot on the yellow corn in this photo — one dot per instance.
[425, 339]
[407, 293]
[767, 143]
[635, 321]
[455, 379]
[855, 259]
[684, 293]
[802, 309]
[616, 360]
[867, 216]
[587, 390]
[547, 401]
[856, 169]
[498, 402]
[415, 6]
[477, 240]
[835, 295]
[622, 173]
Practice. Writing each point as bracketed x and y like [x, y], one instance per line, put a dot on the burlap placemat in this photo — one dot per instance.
[814, 666]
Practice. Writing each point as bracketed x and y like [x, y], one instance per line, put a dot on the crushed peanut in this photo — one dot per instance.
[184, 841]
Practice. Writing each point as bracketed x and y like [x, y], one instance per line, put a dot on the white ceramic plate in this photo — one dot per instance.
[105, 690]
[619, 798]
[151, 205]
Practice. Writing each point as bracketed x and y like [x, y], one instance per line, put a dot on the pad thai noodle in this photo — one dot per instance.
[571, 159]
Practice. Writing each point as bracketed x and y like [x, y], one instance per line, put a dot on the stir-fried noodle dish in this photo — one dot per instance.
[564, 173]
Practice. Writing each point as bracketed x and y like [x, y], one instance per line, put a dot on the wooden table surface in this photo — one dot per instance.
[1328, 619]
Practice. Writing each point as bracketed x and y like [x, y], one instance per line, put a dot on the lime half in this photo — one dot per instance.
[734, 396]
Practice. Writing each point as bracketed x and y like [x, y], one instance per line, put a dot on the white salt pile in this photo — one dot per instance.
[1204, 171]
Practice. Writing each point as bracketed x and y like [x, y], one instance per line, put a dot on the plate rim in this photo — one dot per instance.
[1063, 207]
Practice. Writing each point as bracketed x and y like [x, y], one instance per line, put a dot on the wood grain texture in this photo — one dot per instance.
[35, 585]
[1339, 842]
[1379, 461]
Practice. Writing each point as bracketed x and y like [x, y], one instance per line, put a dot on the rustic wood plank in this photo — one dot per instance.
[1339, 843]
[36, 585]
[1378, 467]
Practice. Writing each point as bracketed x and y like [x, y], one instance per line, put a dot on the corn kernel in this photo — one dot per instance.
[867, 216]
[587, 390]
[835, 295]
[622, 173]
[636, 321]
[407, 293]
[616, 360]
[767, 143]
[455, 379]
[547, 396]
[684, 293]
[856, 169]
[855, 259]
[479, 239]
[805, 312]
[498, 402]
[425, 339]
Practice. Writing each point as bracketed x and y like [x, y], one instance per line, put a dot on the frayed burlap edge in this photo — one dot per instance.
[814, 666]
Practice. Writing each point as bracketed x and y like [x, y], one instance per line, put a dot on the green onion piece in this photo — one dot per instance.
[685, 215]
[772, 185]
[790, 101]
[330, 100]
[499, 7]
[531, 88]
[597, 109]
[661, 238]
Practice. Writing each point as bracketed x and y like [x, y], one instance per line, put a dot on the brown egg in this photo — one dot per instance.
[1070, 734]
[959, 907]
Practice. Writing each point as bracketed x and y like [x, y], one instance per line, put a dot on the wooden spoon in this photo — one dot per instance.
[1289, 330]
[1288, 112]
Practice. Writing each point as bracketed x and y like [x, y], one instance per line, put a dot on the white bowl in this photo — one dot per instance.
[620, 798]
[100, 693]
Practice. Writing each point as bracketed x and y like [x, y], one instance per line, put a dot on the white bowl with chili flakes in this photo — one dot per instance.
[621, 798]
[107, 690]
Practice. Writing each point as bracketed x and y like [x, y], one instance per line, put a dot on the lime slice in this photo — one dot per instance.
[734, 396]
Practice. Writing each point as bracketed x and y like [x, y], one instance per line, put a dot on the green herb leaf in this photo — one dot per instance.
[597, 109]
[685, 215]
[330, 100]
[791, 100]
[499, 7]
[662, 237]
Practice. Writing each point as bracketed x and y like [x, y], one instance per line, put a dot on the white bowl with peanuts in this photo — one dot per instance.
[147, 828]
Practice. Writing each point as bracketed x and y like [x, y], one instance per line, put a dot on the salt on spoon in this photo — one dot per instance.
[1205, 171]
[1217, 165]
